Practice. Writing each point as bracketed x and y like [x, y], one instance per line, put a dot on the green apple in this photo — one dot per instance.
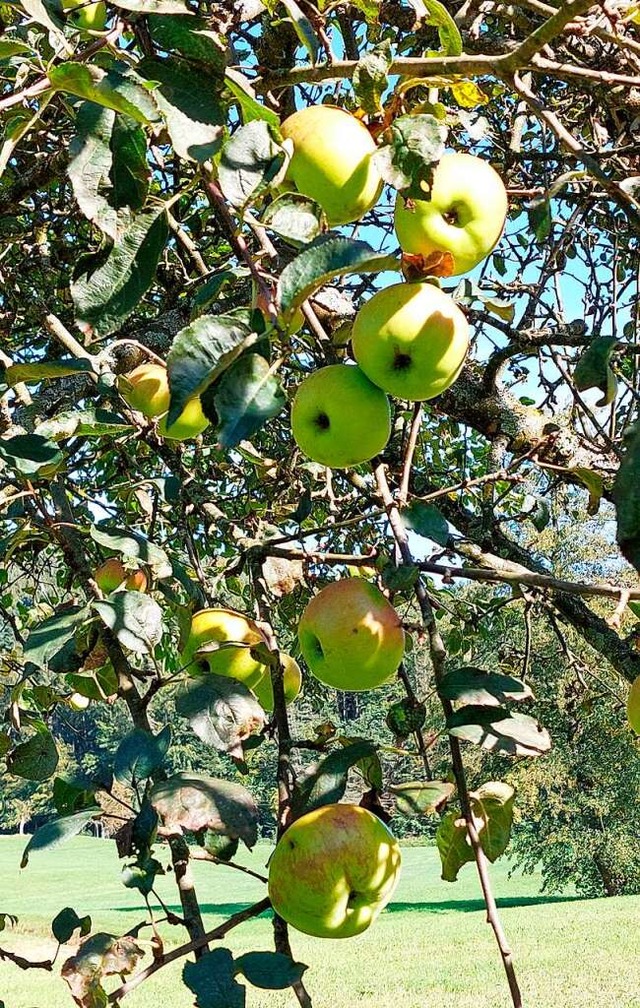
[333, 871]
[339, 418]
[112, 574]
[411, 339]
[227, 628]
[189, 424]
[464, 215]
[291, 681]
[350, 636]
[86, 16]
[146, 389]
[332, 161]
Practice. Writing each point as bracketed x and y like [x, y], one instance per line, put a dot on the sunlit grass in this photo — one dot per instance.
[432, 947]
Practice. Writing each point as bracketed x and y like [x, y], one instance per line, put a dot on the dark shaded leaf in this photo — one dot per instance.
[57, 831]
[497, 729]
[211, 979]
[135, 618]
[221, 711]
[190, 36]
[188, 100]
[250, 160]
[133, 545]
[129, 172]
[626, 497]
[296, 218]
[426, 521]
[593, 370]
[31, 455]
[45, 369]
[326, 784]
[50, 636]
[248, 395]
[34, 760]
[405, 717]
[417, 144]
[99, 955]
[475, 686]
[139, 754]
[195, 802]
[270, 970]
[66, 922]
[90, 166]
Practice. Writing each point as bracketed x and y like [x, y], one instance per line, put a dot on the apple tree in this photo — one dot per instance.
[311, 314]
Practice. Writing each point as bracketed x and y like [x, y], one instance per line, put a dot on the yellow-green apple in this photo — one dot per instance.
[339, 418]
[146, 389]
[86, 16]
[189, 424]
[411, 339]
[235, 635]
[112, 574]
[633, 706]
[78, 702]
[332, 161]
[333, 871]
[291, 681]
[350, 636]
[464, 215]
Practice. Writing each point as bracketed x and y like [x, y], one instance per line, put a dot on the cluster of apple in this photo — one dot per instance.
[146, 389]
[409, 340]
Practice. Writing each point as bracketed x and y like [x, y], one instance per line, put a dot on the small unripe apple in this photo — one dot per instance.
[146, 389]
[78, 702]
[291, 682]
[189, 424]
[339, 418]
[332, 161]
[86, 16]
[333, 871]
[411, 339]
[350, 636]
[464, 214]
[235, 633]
[112, 574]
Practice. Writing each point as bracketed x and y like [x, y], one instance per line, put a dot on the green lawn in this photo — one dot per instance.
[432, 947]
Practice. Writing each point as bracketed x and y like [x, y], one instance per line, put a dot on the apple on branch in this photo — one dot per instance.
[411, 340]
[146, 389]
[333, 871]
[86, 16]
[222, 639]
[113, 574]
[464, 214]
[350, 636]
[291, 683]
[339, 418]
[332, 161]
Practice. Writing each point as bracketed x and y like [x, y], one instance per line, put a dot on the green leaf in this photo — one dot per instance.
[45, 369]
[106, 296]
[208, 292]
[140, 754]
[296, 218]
[418, 798]
[327, 782]
[153, 6]
[34, 760]
[49, 637]
[57, 831]
[405, 717]
[270, 970]
[200, 353]
[134, 546]
[467, 94]
[492, 808]
[303, 28]
[135, 618]
[90, 164]
[188, 101]
[129, 171]
[221, 711]
[92, 422]
[593, 370]
[244, 94]
[31, 455]
[417, 144]
[189, 35]
[247, 395]
[448, 33]
[70, 796]
[327, 257]
[370, 77]
[540, 219]
[211, 979]
[369, 765]
[426, 521]
[66, 922]
[498, 730]
[626, 497]
[9, 47]
[99, 684]
[117, 91]
[475, 686]
[453, 845]
[594, 484]
[250, 160]
[194, 802]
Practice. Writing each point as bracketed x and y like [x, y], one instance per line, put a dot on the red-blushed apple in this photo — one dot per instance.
[332, 161]
[464, 214]
[350, 636]
[333, 871]
[112, 574]
[235, 634]
[146, 389]
[339, 418]
[291, 681]
[411, 340]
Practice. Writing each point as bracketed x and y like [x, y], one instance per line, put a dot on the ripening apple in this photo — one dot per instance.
[333, 871]
[189, 424]
[339, 418]
[86, 16]
[332, 161]
[112, 574]
[350, 636]
[146, 389]
[464, 215]
[291, 681]
[236, 634]
[411, 339]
